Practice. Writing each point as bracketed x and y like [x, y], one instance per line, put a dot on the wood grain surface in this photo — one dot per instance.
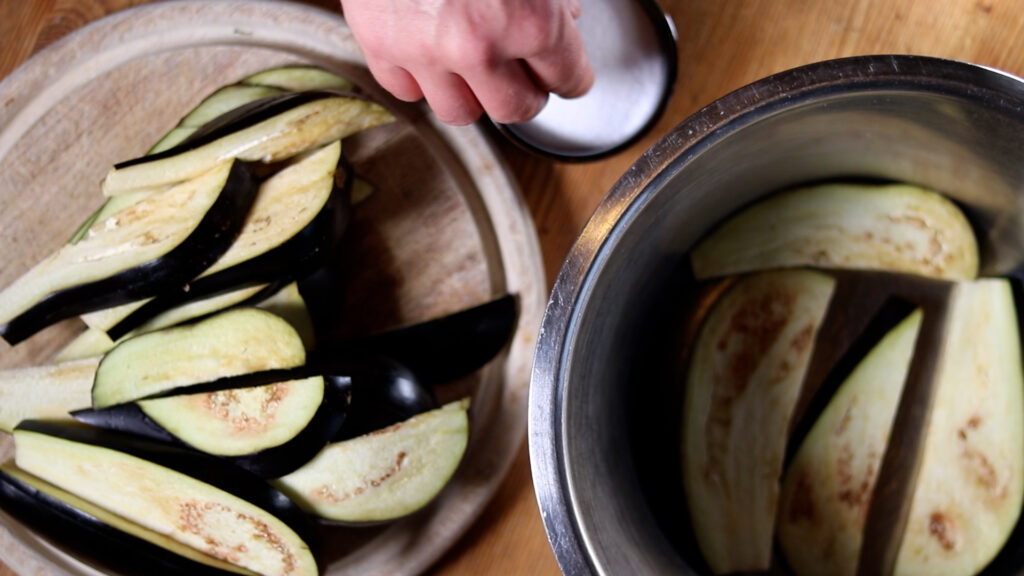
[722, 46]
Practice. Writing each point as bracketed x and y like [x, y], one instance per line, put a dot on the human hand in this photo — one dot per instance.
[467, 57]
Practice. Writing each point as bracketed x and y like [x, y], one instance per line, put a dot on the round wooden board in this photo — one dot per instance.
[444, 230]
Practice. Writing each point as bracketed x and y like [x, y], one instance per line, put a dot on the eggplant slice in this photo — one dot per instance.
[233, 423]
[297, 447]
[384, 475]
[234, 342]
[970, 487]
[298, 79]
[165, 240]
[828, 485]
[742, 386]
[383, 392]
[95, 536]
[296, 224]
[894, 227]
[95, 342]
[222, 101]
[45, 392]
[199, 501]
[264, 131]
[438, 350]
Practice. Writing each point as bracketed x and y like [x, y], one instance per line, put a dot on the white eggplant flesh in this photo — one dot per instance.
[971, 485]
[242, 421]
[896, 227]
[234, 342]
[289, 304]
[383, 475]
[742, 385]
[224, 100]
[298, 78]
[175, 136]
[829, 483]
[284, 205]
[94, 340]
[167, 502]
[84, 507]
[136, 235]
[286, 303]
[49, 392]
[292, 132]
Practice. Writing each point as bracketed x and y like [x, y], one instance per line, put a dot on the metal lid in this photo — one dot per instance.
[631, 45]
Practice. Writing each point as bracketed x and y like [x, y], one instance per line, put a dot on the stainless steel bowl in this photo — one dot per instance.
[604, 401]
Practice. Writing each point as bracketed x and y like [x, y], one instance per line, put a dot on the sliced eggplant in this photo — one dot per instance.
[223, 101]
[269, 428]
[289, 304]
[240, 422]
[298, 78]
[212, 506]
[384, 392]
[442, 349]
[384, 475]
[970, 488]
[285, 302]
[234, 342]
[216, 104]
[91, 343]
[297, 221]
[45, 392]
[830, 481]
[285, 205]
[95, 342]
[128, 418]
[742, 386]
[254, 443]
[175, 136]
[162, 241]
[268, 133]
[897, 227]
[101, 539]
[110, 207]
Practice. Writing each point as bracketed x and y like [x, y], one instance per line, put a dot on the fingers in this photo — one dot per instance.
[565, 69]
[551, 46]
[450, 97]
[398, 81]
[467, 57]
[507, 92]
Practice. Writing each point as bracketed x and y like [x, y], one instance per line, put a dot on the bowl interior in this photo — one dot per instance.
[944, 125]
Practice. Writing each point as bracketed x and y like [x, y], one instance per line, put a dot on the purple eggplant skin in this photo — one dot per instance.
[384, 392]
[241, 118]
[293, 259]
[90, 540]
[214, 471]
[127, 418]
[439, 350]
[211, 238]
[271, 462]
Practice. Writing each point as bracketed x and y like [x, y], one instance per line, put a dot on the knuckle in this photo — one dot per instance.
[536, 33]
[467, 51]
[516, 110]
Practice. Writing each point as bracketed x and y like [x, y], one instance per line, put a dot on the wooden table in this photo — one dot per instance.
[723, 45]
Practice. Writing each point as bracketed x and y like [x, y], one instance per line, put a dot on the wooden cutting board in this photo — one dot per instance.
[445, 228]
